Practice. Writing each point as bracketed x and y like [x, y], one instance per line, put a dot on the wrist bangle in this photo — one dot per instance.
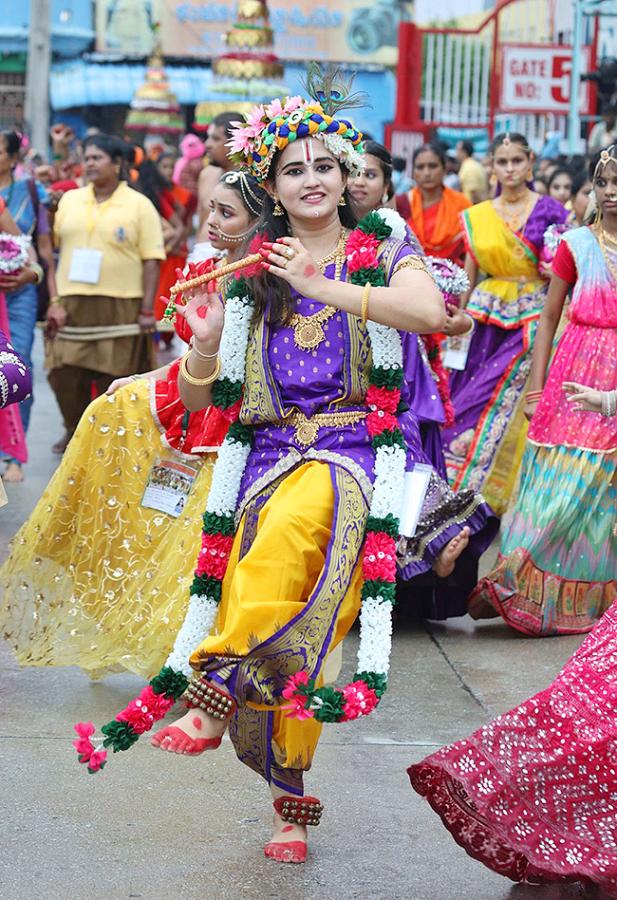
[366, 293]
[199, 353]
[472, 325]
[532, 396]
[609, 403]
[55, 301]
[199, 382]
[38, 271]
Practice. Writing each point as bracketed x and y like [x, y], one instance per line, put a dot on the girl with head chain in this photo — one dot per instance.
[504, 238]
[108, 557]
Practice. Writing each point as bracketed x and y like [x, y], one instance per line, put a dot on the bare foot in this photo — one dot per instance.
[191, 735]
[444, 564]
[13, 473]
[288, 842]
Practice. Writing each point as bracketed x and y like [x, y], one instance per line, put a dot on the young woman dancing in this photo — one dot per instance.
[327, 308]
[94, 578]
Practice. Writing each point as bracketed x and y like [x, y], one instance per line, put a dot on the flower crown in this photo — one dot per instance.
[272, 127]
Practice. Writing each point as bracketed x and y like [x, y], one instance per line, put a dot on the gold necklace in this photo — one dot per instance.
[308, 330]
[515, 220]
[602, 236]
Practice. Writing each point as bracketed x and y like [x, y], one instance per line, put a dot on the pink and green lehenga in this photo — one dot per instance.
[557, 569]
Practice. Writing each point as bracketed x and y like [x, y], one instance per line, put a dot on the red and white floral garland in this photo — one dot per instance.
[326, 704]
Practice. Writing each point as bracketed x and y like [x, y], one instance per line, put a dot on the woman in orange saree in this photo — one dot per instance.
[434, 209]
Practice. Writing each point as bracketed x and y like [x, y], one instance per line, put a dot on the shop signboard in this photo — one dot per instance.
[355, 31]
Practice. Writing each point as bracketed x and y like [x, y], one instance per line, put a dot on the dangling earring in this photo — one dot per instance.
[384, 197]
[342, 201]
[530, 174]
[493, 180]
[278, 209]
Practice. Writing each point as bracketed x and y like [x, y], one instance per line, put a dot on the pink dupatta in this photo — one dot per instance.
[12, 437]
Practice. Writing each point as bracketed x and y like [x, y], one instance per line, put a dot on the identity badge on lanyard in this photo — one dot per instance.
[456, 352]
[85, 262]
[168, 487]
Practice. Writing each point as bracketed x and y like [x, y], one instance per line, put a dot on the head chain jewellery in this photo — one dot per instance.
[252, 201]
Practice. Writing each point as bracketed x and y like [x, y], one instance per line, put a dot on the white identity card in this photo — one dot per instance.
[168, 487]
[415, 487]
[456, 352]
[86, 265]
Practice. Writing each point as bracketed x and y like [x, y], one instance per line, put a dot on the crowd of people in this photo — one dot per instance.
[445, 341]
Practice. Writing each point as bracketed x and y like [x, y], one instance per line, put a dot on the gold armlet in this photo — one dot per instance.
[366, 293]
[199, 382]
[411, 262]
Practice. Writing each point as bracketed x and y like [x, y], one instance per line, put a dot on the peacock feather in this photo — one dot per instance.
[332, 89]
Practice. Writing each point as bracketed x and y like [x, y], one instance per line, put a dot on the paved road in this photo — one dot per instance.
[162, 828]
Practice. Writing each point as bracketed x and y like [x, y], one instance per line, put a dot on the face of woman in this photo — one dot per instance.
[561, 188]
[605, 186]
[228, 215]
[6, 162]
[580, 201]
[428, 171]
[368, 189]
[308, 180]
[166, 168]
[216, 151]
[99, 166]
[510, 165]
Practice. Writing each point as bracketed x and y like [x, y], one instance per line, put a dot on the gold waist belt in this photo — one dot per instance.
[307, 428]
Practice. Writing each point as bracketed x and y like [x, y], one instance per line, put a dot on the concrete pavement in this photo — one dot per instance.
[160, 827]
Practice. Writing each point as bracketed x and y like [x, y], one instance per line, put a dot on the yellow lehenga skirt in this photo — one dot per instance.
[93, 578]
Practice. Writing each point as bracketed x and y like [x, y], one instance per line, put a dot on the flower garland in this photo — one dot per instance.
[13, 251]
[327, 704]
[452, 281]
[361, 696]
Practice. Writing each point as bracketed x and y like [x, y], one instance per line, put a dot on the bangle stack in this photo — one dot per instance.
[199, 382]
[533, 396]
[55, 301]
[366, 293]
[609, 403]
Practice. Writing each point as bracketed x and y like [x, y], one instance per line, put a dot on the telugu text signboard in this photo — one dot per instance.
[536, 79]
[358, 31]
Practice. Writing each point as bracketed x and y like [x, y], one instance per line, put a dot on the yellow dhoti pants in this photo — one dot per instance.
[290, 595]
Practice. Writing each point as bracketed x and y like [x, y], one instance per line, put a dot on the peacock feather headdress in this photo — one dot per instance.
[272, 127]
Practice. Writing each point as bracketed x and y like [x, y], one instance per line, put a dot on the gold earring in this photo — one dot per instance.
[529, 174]
[493, 180]
[342, 201]
[278, 209]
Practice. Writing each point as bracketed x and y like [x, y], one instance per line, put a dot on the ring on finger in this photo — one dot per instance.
[290, 252]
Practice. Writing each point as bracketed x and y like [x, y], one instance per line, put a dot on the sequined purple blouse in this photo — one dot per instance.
[332, 377]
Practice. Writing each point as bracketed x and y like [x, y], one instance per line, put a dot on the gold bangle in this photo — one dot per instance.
[366, 293]
[54, 301]
[199, 382]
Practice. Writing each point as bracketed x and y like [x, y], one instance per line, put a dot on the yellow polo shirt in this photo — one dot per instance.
[472, 177]
[126, 228]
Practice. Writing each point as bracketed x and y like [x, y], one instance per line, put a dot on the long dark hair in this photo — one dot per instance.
[151, 183]
[12, 142]
[270, 289]
[385, 163]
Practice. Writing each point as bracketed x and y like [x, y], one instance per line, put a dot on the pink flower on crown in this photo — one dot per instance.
[293, 103]
[275, 109]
